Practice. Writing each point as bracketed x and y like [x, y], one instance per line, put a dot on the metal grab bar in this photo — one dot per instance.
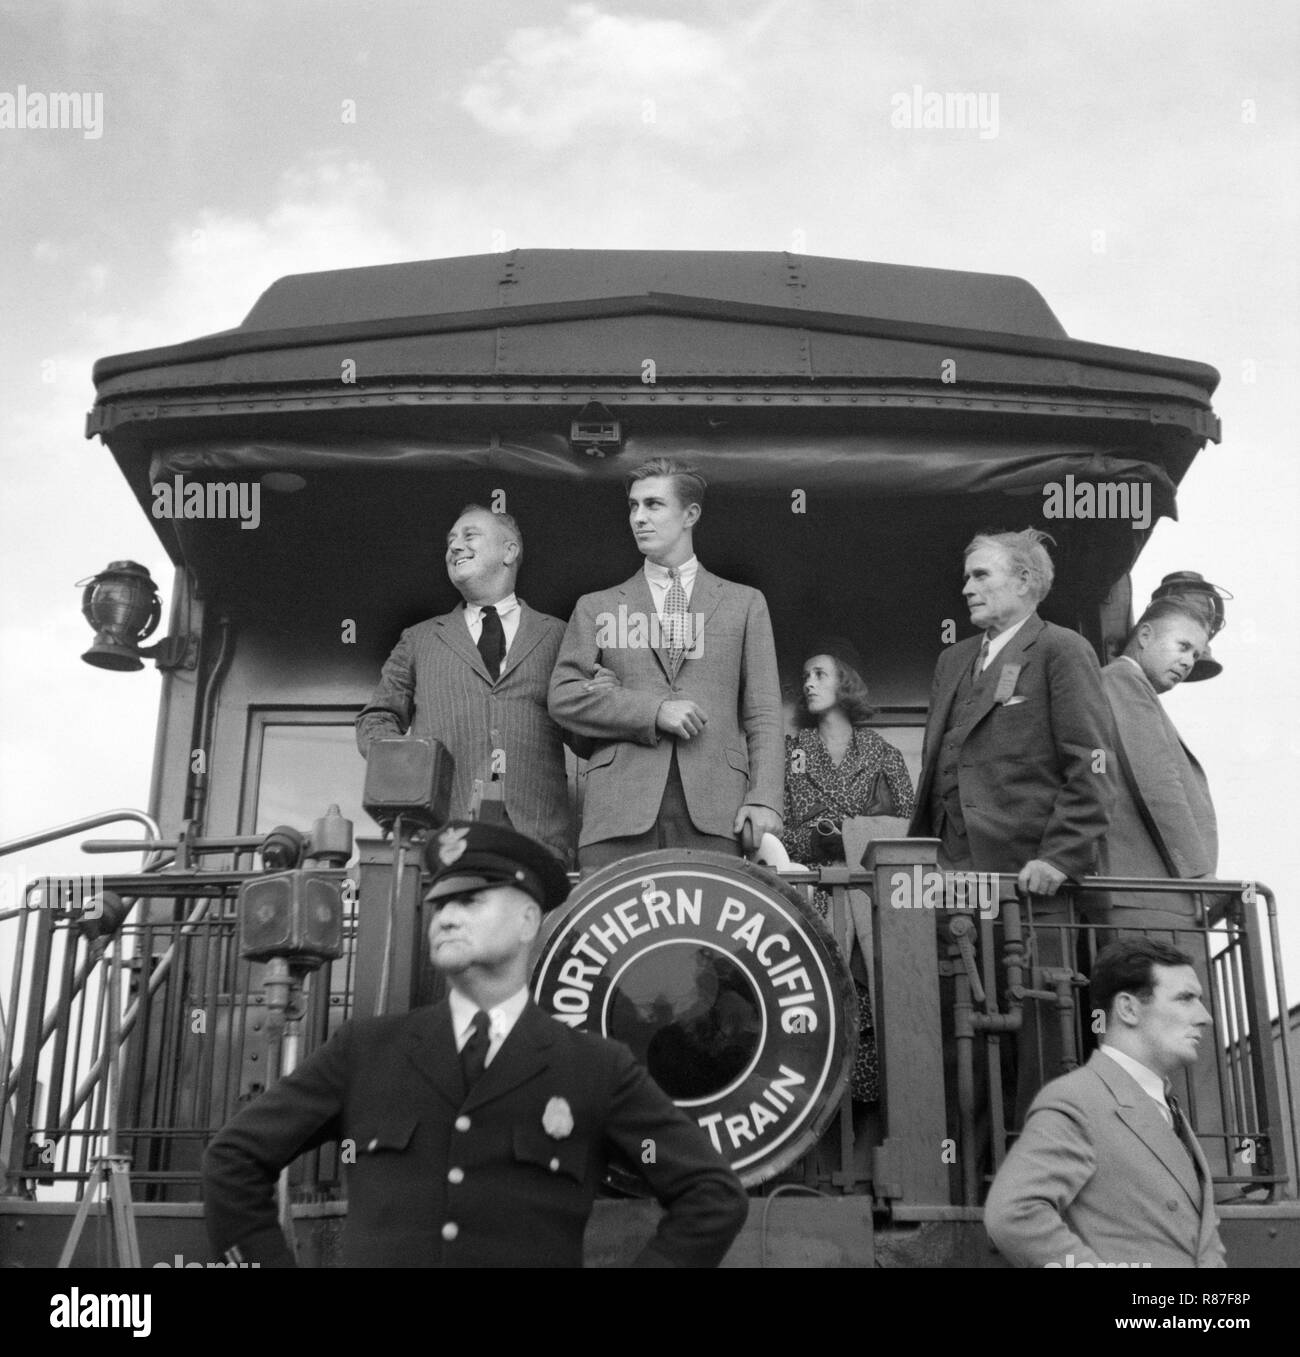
[151, 856]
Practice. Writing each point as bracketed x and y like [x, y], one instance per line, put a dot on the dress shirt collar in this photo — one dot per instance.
[658, 578]
[474, 611]
[1001, 639]
[1141, 671]
[501, 1018]
[1147, 1079]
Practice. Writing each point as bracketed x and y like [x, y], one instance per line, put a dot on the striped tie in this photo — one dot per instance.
[675, 620]
[982, 657]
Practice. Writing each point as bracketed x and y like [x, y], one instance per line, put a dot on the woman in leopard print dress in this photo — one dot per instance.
[836, 766]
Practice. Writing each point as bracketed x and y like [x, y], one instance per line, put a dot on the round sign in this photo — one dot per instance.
[724, 983]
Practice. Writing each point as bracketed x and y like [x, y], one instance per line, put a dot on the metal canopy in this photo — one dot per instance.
[552, 314]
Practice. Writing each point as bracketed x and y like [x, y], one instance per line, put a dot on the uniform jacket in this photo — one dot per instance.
[435, 685]
[1098, 1174]
[441, 1179]
[1029, 776]
[1165, 781]
[739, 756]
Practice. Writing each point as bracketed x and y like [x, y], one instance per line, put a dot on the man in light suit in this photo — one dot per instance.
[1107, 1173]
[1015, 765]
[1163, 824]
[478, 1130]
[476, 680]
[673, 675]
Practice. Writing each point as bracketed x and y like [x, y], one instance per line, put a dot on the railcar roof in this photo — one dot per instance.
[550, 313]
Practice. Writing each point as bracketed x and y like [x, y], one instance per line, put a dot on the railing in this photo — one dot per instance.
[194, 1030]
[197, 1045]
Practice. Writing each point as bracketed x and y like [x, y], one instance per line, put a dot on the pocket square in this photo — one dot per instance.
[1012, 701]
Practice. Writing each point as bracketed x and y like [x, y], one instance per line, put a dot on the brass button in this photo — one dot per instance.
[455, 1175]
[461, 1123]
[450, 1230]
[555, 1165]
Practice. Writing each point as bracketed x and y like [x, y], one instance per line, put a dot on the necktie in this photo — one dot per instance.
[1180, 1126]
[675, 619]
[981, 657]
[492, 641]
[473, 1055]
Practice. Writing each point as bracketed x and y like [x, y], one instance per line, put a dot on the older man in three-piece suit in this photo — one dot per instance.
[673, 675]
[1107, 1171]
[476, 679]
[1016, 772]
[476, 1132]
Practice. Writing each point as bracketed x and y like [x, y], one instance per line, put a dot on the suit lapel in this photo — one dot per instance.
[640, 600]
[705, 597]
[1138, 1111]
[528, 636]
[1014, 652]
[453, 631]
[524, 1054]
[1209, 1218]
[431, 1048]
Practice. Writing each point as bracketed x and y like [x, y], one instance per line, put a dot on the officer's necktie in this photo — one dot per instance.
[473, 1055]
[492, 641]
[982, 657]
[675, 619]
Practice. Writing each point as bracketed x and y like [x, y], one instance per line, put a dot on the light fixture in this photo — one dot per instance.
[121, 603]
[1192, 587]
[595, 431]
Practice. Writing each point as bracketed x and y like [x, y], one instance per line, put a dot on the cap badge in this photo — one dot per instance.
[451, 844]
[557, 1120]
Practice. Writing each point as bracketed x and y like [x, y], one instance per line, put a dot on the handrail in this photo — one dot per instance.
[151, 856]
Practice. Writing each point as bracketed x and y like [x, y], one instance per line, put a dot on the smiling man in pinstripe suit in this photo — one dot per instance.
[476, 679]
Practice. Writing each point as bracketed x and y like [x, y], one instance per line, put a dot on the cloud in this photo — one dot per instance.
[598, 74]
[330, 214]
[78, 739]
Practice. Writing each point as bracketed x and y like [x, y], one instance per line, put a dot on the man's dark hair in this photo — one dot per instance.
[1127, 966]
[688, 485]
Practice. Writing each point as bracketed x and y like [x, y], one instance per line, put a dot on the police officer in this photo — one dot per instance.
[478, 1129]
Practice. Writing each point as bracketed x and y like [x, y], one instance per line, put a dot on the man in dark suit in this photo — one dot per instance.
[1107, 1173]
[673, 675]
[1016, 764]
[476, 680]
[479, 1129]
[1163, 824]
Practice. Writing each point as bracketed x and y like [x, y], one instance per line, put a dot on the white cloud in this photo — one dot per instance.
[330, 215]
[598, 73]
[76, 739]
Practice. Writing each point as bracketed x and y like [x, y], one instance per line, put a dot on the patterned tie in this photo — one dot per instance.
[1179, 1123]
[675, 620]
[492, 642]
[473, 1055]
[982, 657]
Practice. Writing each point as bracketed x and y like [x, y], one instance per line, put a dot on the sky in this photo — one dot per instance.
[1140, 172]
